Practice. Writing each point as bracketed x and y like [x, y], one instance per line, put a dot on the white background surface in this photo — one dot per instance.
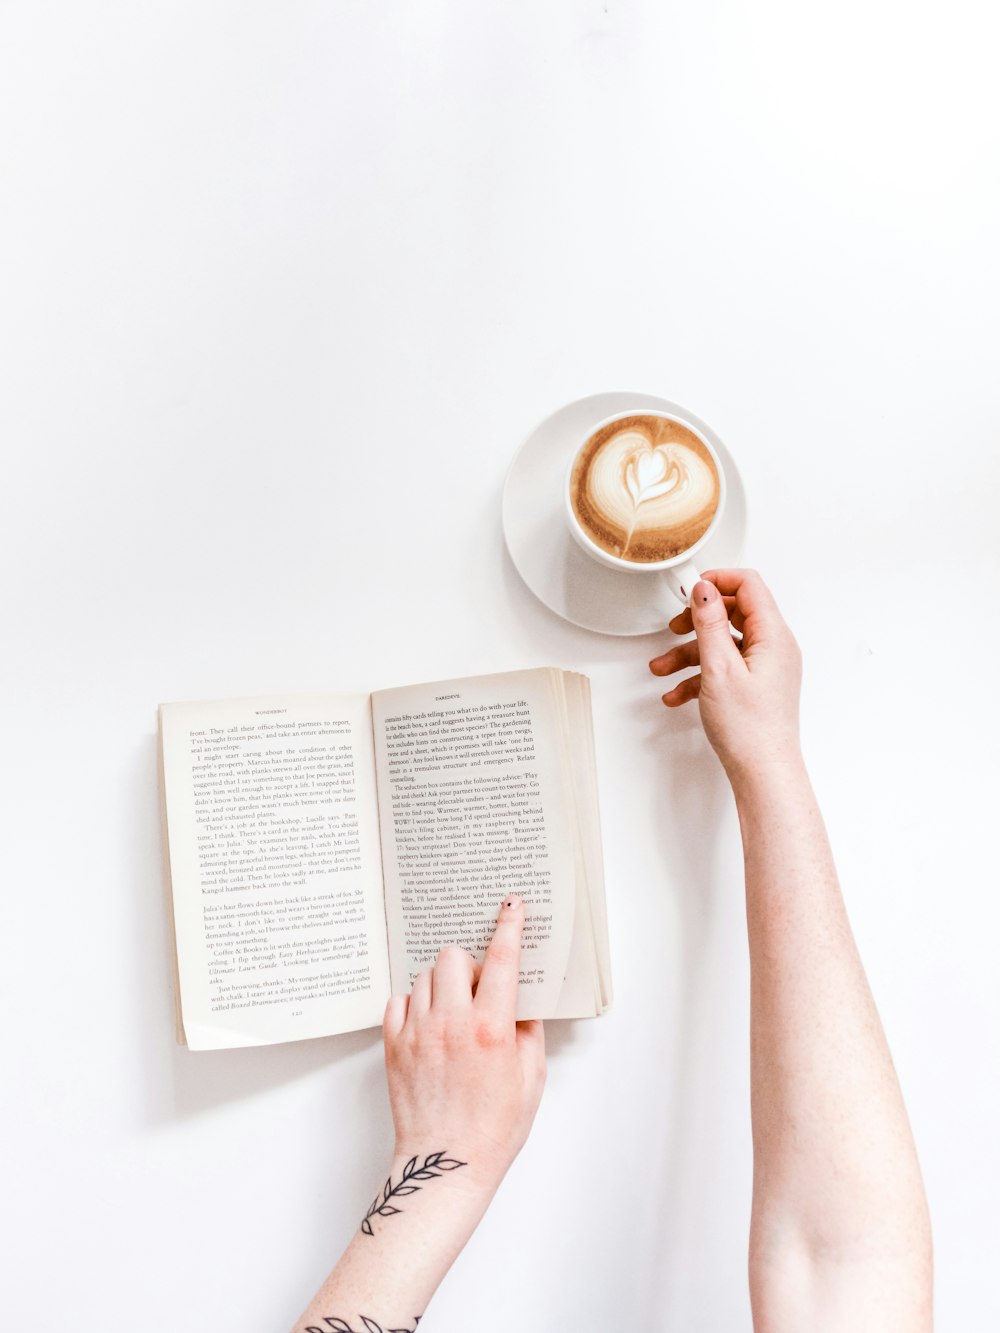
[284, 287]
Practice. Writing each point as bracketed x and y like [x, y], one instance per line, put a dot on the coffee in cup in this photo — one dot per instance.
[643, 492]
[644, 488]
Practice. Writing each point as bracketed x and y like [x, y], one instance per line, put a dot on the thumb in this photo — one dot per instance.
[711, 624]
[531, 1046]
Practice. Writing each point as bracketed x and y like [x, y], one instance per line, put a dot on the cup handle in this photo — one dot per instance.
[682, 579]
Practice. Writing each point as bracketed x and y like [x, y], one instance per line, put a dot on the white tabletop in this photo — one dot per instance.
[285, 287]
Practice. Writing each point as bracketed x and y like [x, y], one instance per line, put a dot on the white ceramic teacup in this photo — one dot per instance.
[680, 570]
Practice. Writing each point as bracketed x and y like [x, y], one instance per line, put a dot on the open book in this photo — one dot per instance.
[324, 847]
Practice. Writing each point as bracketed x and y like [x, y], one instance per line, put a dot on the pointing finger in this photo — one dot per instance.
[496, 994]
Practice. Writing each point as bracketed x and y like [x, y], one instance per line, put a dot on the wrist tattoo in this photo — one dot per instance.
[382, 1206]
[336, 1325]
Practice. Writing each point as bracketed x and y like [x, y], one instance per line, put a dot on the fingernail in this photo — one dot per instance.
[511, 902]
[704, 592]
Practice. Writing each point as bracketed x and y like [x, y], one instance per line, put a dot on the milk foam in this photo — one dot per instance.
[646, 490]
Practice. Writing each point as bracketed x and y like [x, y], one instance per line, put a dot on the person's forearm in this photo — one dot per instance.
[413, 1230]
[836, 1178]
[464, 1079]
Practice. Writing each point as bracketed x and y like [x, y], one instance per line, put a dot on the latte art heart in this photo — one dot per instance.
[649, 475]
[645, 488]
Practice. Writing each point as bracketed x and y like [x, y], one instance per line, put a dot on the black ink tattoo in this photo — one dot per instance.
[370, 1326]
[339, 1325]
[431, 1170]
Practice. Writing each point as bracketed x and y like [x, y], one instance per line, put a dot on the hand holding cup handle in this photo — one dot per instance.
[682, 579]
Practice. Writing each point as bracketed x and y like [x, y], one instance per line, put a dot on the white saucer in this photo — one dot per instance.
[551, 563]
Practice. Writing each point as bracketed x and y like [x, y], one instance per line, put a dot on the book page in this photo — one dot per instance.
[275, 868]
[473, 805]
[584, 992]
[583, 760]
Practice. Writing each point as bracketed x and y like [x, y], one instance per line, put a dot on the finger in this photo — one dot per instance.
[420, 996]
[718, 652]
[683, 624]
[684, 692]
[496, 994]
[679, 657]
[751, 594]
[454, 973]
[730, 581]
[395, 1016]
[531, 1045]
[736, 616]
[682, 656]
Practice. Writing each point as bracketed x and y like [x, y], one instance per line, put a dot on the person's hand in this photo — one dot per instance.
[464, 1078]
[747, 689]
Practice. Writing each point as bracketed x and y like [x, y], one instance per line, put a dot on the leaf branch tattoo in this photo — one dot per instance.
[370, 1325]
[382, 1206]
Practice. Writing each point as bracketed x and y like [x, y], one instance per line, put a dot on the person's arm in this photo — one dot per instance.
[464, 1082]
[840, 1235]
